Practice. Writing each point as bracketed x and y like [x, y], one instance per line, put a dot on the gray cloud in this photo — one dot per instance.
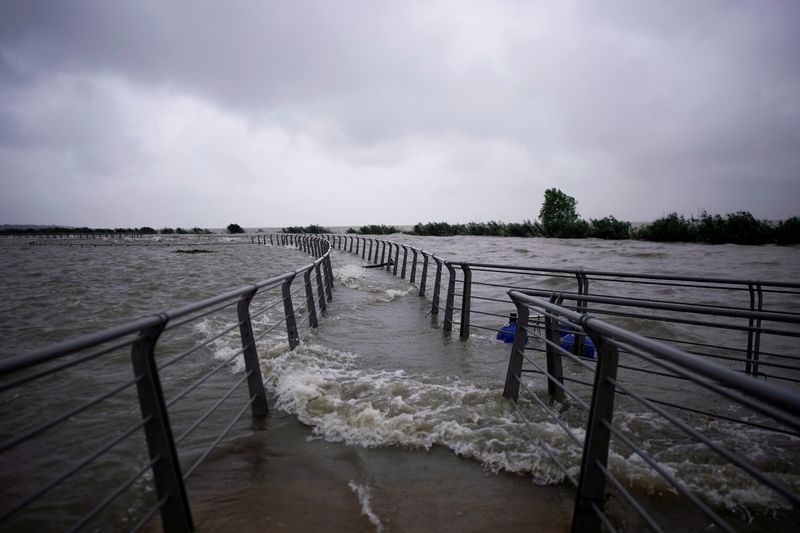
[636, 108]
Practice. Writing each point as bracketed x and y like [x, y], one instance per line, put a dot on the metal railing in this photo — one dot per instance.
[170, 363]
[542, 322]
[73, 449]
[744, 325]
[733, 318]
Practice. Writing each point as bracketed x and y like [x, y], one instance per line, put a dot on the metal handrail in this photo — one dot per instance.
[143, 338]
[471, 294]
[778, 404]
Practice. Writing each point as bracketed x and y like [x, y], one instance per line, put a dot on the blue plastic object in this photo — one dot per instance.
[588, 346]
[506, 333]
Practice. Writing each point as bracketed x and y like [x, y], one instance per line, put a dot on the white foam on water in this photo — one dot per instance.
[364, 498]
[352, 276]
[343, 402]
[327, 390]
[395, 294]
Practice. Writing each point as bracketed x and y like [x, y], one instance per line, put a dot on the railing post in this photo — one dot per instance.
[436, 286]
[255, 384]
[358, 243]
[554, 363]
[423, 280]
[405, 258]
[383, 251]
[328, 277]
[310, 306]
[451, 292]
[288, 309]
[591, 484]
[175, 513]
[320, 287]
[514, 373]
[413, 276]
[369, 256]
[754, 328]
[466, 302]
[396, 256]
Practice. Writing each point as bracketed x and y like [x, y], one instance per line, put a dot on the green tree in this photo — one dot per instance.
[235, 228]
[558, 216]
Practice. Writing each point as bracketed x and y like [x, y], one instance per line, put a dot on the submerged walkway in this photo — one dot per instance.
[294, 482]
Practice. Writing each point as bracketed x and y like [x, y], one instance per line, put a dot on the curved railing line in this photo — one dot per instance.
[142, 337]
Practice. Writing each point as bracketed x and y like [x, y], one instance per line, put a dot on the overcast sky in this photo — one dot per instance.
[172, 113]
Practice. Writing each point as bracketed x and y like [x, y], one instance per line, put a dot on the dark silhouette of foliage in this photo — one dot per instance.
[491, 228]
[671, 228]
[558, 216]
[313, 228]
[787, 231]
[609, 228]
[375, 229]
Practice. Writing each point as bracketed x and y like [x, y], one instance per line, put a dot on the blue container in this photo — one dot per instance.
[588, 346]
[506, 333]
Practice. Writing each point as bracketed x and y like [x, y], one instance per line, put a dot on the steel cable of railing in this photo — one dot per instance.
[221, 436]
[65, 416]
[725, 453]
[763, 405]
[546, 448]
[150, 514]
[72, 471]
[116, 493]
[202, 344]
[57, 368]
[665, 474]
[192, 318]
[777, 404]
[205, 377]
[188, 431]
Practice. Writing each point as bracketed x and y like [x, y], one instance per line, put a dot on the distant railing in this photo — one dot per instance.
[79, 383]
[543, 322]
[736, 328]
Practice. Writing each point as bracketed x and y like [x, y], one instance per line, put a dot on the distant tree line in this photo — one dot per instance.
[375, 229]
[38, 230]
[144, 230]
[313, 228]
[558, 218]
[180, 231]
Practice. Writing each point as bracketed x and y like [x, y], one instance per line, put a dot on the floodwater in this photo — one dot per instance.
[379, 421]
